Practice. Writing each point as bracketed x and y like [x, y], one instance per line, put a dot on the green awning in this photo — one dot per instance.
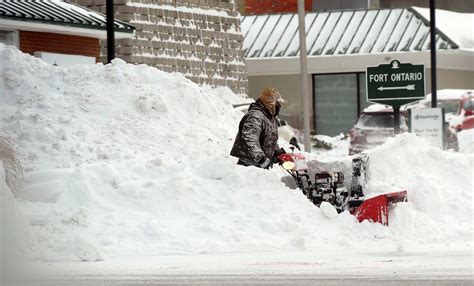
[343, 32]
[57, 12]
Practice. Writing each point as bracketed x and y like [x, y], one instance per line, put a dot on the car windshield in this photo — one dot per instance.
[449, 106]
[378, 120]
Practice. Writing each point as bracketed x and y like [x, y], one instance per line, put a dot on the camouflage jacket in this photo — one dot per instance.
[257, 138]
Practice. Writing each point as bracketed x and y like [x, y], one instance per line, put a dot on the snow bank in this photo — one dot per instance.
[440, 188]
[466, 141]
[13, 230]
[124, 160]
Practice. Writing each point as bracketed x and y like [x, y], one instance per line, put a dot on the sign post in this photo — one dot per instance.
[109, 7]
[395, 84]
[396, 119]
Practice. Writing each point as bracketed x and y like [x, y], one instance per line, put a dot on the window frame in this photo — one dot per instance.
[358, 86]
[469, 104]
[16, 36]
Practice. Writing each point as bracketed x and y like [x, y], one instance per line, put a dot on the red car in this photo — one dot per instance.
[458, 106]
[464, 118]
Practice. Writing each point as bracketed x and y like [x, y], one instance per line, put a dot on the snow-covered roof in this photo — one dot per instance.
[459, 27]
[56, 13]
[342, 33]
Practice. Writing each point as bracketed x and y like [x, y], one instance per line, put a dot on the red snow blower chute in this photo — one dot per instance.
[328, 187]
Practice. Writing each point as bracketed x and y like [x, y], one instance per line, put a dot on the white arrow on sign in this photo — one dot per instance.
[408, 87]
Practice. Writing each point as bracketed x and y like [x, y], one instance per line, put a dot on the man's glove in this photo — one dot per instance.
[280, 151]
[265, 163]
[275, 159]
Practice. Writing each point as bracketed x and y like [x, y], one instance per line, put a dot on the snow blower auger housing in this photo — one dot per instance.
[328, 187]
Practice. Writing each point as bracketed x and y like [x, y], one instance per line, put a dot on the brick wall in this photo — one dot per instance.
[198, 38]
[31, 42]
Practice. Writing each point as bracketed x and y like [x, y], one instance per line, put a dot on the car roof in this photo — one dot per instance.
[450, 94]
[378, 108]
[382, 109]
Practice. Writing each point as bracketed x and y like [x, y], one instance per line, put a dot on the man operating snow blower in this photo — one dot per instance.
[256, 143]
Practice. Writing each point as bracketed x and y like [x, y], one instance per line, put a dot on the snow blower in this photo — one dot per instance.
[328, 187]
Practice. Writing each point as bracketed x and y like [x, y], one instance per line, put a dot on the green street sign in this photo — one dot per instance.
[395, 84]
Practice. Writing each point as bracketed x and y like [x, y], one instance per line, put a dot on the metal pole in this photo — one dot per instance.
[396, 119]
[434, 97]
[304, 77]
[110, 30]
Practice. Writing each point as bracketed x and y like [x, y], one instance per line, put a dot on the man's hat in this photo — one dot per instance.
[269, 97]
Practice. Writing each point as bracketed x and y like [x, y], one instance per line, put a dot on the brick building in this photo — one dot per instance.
[56, 31]
[198, 38]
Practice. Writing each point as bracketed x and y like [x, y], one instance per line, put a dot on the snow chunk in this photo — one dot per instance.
[87, 250]
[328, 210]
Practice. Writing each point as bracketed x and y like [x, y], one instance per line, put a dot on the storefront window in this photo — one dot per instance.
[338, 100]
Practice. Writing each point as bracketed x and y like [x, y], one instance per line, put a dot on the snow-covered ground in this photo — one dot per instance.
[466, 141]
[124, 161]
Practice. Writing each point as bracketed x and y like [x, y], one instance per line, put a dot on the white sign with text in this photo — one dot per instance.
[428, 123]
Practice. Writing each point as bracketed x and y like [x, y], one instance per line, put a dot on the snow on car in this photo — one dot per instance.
[464, 118]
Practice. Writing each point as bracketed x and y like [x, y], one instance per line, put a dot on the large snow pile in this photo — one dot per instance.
[466, 141]
[440, 188]
[124, 160]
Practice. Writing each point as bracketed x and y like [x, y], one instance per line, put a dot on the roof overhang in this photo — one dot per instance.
[59, 29]
[462, 60]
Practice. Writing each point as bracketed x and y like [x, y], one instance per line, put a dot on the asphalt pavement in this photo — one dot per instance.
[246, 280]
